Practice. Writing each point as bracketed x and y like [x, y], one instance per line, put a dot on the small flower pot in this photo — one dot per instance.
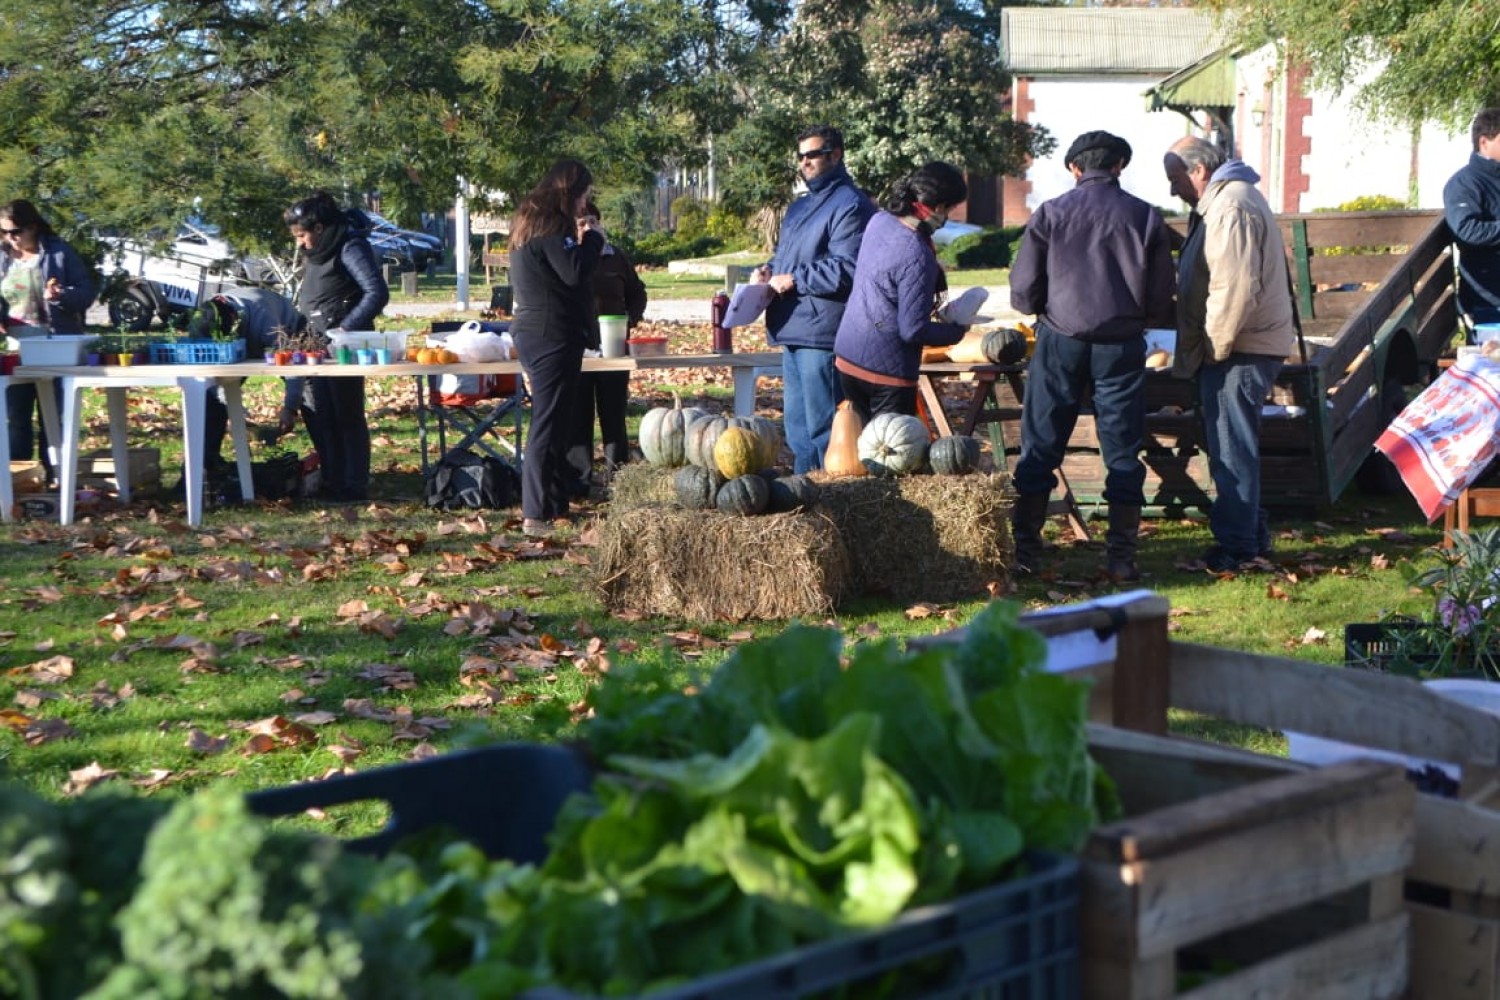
[299, 357]
[124, 360]
[382, 356]
[366, 356]
[270, 357]
[346, 355]
[283, 357]
[93, 359]
[314, 357]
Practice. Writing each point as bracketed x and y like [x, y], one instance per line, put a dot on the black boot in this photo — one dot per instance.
[1120, 543]
[1027, 519]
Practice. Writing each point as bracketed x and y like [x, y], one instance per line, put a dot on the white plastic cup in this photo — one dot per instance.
[612, 331]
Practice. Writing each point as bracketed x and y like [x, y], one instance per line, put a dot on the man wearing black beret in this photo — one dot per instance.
[1095, 269]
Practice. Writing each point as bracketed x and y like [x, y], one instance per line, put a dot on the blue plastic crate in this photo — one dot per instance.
[198, 352]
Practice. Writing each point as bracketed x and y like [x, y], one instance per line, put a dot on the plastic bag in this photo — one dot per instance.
[466, 481]
[473, 343]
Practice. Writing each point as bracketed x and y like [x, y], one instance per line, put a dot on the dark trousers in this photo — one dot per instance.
[552, 366]
[871, 399]
[334, 411]
[23, 423]
[1061, 369]
[606, 393]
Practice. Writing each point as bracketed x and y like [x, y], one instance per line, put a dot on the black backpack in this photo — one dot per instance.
[464, 480]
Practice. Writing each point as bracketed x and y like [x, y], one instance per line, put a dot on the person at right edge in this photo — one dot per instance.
[342, 289]
[812, 273]
[555, 246]
[1471, 204]
[1095, 268]
[1235, 328]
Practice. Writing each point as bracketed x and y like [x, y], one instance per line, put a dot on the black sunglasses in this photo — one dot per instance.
[11, 232]
[813, 154]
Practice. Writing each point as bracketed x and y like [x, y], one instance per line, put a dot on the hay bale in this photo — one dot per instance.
[638, 484]
[704, 565]
[923, 538]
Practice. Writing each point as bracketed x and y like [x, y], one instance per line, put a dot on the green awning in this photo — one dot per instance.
[1207, 83]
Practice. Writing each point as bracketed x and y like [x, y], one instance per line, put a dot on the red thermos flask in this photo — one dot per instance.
[722, 336]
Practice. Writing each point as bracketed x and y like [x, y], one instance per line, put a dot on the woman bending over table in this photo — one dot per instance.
[898, 287]
[341, 289]
[47, 288]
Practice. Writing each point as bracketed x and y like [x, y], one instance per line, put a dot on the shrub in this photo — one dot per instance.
[991, 248]
[1370, 203]
[661, 248]
[691, 215]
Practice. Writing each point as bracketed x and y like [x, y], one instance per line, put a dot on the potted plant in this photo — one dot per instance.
[1459, 634]
[300, 346]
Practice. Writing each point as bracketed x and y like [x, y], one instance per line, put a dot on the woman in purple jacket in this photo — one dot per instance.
[898, 287]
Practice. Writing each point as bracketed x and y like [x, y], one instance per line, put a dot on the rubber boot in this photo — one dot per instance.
[1027, 518]
[1120, 543]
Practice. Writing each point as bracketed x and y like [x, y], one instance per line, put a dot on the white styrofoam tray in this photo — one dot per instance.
[61, 349]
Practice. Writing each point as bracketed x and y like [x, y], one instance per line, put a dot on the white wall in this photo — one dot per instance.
[1351, 156]
[1070, 106]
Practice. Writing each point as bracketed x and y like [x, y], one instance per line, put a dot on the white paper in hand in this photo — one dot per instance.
[964, 309]
[747, 304]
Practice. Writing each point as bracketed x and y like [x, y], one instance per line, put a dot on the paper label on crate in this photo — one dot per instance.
[1077, 650]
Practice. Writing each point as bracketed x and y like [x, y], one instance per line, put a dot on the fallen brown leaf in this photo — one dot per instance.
[84, 778]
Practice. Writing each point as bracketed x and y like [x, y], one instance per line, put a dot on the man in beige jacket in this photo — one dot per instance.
[1235, 327]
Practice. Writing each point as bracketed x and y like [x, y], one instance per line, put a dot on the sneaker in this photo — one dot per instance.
[535, 527]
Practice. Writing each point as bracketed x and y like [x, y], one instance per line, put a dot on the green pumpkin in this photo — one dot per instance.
[697, 488]
[1004, 346]
[956, 455]
[737, 452]
[894, 444]
[663, 434]
[745, 495]
[789, 493]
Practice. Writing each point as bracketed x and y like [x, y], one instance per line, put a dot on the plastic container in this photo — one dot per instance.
[62, 349]
[647, 347]
[198, 352]
[1484, 332]
[612, 331]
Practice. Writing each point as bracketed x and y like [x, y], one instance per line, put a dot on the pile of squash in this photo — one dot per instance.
[724, 462]
[895, 444]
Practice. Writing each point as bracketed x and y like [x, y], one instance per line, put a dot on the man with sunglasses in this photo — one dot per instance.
[813, 273]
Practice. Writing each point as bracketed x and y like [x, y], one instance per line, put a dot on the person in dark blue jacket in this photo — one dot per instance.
[1471, 204]
[555, 246]
[1096, 269]
[341, 289]
[898, 287]
[47, 288]
[812, 273]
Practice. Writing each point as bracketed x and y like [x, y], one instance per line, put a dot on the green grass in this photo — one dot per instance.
[170, 630]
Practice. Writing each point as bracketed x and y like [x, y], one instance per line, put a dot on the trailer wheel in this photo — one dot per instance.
[132, 308]
[1377, 476]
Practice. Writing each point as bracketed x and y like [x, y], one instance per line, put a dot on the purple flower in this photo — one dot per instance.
[1461, 621]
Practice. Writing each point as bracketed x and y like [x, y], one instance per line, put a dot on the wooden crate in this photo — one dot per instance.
[1290, 886]
[1453, 883]
[27, 477]
[96, 469]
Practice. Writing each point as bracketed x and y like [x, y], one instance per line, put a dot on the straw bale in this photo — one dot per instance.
[923, 538]
[639, 484]
[704, 565]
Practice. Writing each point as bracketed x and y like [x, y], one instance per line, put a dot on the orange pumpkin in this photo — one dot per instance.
[842, 456]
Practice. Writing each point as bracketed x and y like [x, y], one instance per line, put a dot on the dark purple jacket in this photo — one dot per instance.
[889, 316]
[1095, 264]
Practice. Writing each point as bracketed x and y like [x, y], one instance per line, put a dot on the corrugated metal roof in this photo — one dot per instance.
[1208, 83]
[1045, 40]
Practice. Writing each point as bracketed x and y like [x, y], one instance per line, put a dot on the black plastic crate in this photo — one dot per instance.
[1013, 941]
[1376, 645]
[504, 798]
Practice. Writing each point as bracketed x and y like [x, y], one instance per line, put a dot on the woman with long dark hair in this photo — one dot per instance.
[47, 288]
[554, 249]
[341, 289]
[898, 288]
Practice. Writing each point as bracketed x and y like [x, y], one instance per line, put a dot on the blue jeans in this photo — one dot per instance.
[810, 393]
[1061, 368]
[1233, 393]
